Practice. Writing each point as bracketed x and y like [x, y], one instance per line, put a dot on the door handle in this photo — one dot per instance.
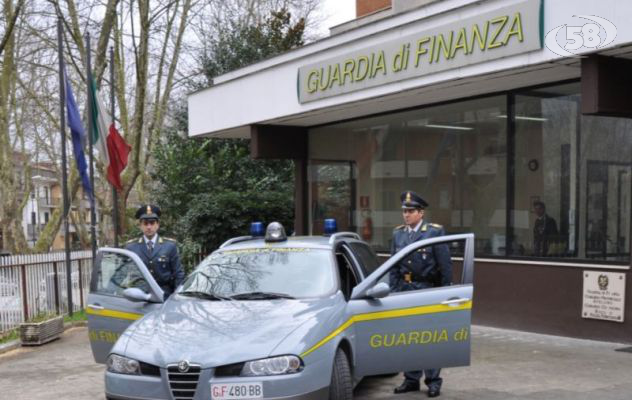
[454, 302]
[95, 306]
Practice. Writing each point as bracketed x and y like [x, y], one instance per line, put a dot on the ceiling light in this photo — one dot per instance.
[526, 118]
[453, 127]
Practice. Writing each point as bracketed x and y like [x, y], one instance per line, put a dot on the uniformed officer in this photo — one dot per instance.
[424, 268]
[160, 254]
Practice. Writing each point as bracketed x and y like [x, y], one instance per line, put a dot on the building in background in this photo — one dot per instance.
[487, 110]
[44, 198]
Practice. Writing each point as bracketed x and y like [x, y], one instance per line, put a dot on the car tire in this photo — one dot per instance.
[341, 387]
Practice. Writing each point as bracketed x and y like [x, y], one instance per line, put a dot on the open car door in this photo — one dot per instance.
[122, 290]
[418, 329]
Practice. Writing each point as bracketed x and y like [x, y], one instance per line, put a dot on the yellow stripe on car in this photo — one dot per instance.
[397, 313]
[114, 314]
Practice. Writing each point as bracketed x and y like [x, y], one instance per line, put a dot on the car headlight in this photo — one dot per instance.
[122, 365]
[273, 366]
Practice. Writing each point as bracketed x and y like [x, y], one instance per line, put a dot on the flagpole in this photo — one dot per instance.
[93, 213]
[64, 173]
[114, 192]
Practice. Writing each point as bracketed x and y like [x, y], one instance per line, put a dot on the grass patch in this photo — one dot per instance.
[76, 316]
[41, 318]
[9, 336]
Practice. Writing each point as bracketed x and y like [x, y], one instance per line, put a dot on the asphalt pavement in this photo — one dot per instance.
[505, 365]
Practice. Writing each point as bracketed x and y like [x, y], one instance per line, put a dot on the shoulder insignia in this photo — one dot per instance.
[424, 227]
[160, 239]
[399, 227]
[437, 226]
[140, 239]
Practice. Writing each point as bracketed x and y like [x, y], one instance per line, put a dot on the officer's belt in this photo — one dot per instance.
[428, 275]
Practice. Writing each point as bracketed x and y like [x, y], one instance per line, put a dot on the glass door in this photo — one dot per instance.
[332, 194]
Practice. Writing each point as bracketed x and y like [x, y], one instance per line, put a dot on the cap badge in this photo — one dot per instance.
[408, 198]
[148, 209]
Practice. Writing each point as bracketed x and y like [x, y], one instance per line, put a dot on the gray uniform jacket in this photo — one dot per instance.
[163, 263]
[426, 267]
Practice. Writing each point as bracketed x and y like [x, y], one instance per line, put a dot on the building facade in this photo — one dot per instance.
[511, 118]
[45, 196]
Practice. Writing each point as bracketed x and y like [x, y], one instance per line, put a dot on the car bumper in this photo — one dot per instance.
[309, 384]
[315, 395]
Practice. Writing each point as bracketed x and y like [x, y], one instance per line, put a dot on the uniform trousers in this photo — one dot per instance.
[432, 380]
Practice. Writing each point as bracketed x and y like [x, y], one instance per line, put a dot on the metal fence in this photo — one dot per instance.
[35, 284]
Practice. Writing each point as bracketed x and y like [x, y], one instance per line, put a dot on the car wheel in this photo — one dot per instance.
[341, 387]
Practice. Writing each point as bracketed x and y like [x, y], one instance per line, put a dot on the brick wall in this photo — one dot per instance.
[364, 7]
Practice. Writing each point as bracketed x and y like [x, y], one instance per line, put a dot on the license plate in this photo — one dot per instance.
[237, 391]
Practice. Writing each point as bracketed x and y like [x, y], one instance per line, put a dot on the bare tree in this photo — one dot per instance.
[156, 46]
[12, 198]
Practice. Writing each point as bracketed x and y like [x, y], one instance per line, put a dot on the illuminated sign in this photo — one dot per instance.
[500, 33]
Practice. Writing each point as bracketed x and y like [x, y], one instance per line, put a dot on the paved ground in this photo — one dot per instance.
[505, 365]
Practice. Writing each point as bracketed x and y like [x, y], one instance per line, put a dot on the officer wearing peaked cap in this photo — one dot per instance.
[160, 254]
[424, 268]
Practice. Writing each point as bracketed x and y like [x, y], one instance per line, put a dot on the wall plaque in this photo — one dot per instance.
[604, 295]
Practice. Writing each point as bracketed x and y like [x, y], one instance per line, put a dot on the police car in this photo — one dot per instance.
[273, 317]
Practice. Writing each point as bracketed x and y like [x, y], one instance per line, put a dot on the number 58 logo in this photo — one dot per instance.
[577, 37]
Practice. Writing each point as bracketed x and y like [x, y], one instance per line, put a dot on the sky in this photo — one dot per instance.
[336, 12]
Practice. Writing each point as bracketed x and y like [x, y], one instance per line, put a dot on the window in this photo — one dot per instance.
[297, 272]
[119, 272]
[525, 172]
[546, 127]
[419, 274]
[348, 280]
[605, 189]
[572, 178]
[453, 155]
[367, 257]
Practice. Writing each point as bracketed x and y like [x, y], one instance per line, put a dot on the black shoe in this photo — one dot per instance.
[434, 392]
[407, 386]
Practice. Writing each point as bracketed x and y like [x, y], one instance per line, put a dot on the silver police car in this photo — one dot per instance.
[273, 317]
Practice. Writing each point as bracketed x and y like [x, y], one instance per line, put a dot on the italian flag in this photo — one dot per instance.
[111, 145]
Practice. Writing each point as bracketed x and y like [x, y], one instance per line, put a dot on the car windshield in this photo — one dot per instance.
[263, 273]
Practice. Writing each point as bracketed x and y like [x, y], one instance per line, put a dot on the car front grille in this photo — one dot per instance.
[183, 384]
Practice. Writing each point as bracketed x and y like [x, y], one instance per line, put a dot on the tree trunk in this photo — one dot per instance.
[10, 204]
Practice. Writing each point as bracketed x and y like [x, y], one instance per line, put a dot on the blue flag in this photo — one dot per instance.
[78, 137]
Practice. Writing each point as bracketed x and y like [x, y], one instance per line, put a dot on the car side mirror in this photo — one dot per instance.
[136, 295]
[379, 291]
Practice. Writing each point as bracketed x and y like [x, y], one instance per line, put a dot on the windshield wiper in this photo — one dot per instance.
[203, 295]
[261, 296]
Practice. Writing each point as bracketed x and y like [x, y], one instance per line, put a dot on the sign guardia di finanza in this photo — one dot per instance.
[500, 33]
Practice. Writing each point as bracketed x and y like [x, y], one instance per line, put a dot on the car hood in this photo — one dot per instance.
[213, 333]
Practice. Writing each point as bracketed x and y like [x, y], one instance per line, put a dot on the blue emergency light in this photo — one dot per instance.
[331, 226]
[256, 229]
